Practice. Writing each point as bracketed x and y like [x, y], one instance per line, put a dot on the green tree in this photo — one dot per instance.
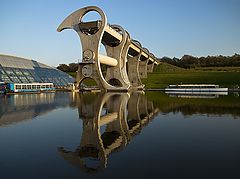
[63, 67]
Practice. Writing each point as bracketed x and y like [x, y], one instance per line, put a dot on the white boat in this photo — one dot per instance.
[196, 89]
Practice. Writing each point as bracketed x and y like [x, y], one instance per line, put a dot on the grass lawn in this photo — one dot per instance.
[161, 77]
[73, 74]
[165, 74]
[161, 80]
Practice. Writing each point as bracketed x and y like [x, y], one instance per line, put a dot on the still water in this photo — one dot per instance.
[138, 135]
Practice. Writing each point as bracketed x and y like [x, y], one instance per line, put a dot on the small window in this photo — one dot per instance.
[43, 86]
[47, 86]
[24, 87]
[38, 86]
[29, 87]
[34, 87]
[18, 86]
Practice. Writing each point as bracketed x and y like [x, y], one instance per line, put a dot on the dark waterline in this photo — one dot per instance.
[151, 135]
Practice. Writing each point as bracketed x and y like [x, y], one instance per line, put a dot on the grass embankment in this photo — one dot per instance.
[165, 74]
[73, 74]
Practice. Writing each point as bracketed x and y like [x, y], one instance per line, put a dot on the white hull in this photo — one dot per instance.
[218, 91]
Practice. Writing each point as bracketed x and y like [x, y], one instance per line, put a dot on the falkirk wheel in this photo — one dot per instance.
[126, 60]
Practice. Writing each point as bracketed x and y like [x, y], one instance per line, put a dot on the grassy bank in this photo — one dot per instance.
[165, 74]
[161, 80]
[73, 74]
[227, 77]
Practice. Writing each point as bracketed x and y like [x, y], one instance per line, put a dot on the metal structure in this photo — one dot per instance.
[127, 61]
[20, 70]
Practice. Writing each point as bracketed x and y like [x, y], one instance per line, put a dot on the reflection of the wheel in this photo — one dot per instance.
[110, 120]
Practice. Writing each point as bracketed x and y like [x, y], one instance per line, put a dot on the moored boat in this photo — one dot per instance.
[11, 88]
[196, 89]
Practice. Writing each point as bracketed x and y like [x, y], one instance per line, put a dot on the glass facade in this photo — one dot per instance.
[19, 70]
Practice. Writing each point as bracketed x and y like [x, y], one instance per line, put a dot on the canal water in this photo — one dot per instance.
[138, 135]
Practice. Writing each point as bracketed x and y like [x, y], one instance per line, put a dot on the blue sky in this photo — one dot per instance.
[166, 27]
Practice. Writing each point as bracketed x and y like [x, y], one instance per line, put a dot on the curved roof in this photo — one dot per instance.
[18, 62]
[21, 70]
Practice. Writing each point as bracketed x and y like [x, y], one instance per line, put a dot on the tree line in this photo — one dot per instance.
[188, 61]
[71, 67]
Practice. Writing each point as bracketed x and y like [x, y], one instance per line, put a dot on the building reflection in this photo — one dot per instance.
[110, 121]
[22, 107]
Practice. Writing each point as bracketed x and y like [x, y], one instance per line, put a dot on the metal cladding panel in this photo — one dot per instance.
[15, 69]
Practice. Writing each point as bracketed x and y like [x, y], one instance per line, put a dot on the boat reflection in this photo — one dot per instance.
[209, 95]
[110, 121]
